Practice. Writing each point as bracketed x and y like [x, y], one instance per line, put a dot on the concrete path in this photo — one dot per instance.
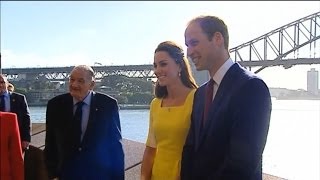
[133, 153]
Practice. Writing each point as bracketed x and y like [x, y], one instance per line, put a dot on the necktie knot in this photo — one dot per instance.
[209, 89]
[210, 83]
[78, 112]
[79, 104]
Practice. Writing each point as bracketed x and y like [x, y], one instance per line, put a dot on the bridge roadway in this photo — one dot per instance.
[141, 71]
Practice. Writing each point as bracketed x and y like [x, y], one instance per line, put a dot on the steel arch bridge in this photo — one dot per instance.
[282, 46]
[296, 43]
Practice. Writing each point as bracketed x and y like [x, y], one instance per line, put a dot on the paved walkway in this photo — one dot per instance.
[133, 153]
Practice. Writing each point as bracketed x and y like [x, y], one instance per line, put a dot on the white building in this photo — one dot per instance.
[313, 81]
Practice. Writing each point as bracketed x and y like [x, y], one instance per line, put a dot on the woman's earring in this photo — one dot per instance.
[179, 74]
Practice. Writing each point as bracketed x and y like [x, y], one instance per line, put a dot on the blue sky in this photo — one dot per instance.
[53, 33]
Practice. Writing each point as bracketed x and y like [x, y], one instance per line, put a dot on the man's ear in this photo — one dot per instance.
[93, 83]
[218, 38]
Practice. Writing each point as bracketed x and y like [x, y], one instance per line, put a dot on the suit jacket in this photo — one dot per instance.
[19, 105]
[11, 152]
[99, 156]
[231, 143]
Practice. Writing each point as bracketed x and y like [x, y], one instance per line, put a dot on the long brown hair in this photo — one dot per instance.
[175, 52]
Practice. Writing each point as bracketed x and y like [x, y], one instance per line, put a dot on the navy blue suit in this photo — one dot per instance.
[100, 155]
[19, 105]
[231, 143]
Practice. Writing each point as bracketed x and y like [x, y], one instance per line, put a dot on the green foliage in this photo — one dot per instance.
[140, 98]
[127, 90]
[121, 99]
[20, 90]
[130, 90]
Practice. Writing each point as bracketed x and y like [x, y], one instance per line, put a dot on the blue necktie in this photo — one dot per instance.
[2, 104]
[78, 120]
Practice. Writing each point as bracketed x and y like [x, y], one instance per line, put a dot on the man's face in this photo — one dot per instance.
[80, 83]
[200, 49]
[3, 84]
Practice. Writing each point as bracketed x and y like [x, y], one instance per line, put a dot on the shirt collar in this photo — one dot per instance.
[86, 100]
[218, 76]
[6, 94]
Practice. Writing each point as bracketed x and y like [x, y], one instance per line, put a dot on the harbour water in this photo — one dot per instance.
[292, 149]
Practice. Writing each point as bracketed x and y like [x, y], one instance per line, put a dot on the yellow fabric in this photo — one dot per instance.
[168, 129]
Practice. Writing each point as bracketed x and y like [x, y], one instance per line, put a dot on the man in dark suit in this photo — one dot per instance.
[16, 103]
[83, 145]
[229, 121]
[34, 167]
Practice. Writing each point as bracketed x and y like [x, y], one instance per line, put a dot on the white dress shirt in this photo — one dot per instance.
[218, 76]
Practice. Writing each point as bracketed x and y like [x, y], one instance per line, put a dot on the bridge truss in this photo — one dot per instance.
[62, 73]
[288, 45]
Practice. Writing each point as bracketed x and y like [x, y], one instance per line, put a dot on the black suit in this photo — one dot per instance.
[100, 155]
[19, 105]
[231, 143]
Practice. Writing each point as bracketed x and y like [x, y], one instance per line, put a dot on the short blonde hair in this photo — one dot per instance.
[10, 87]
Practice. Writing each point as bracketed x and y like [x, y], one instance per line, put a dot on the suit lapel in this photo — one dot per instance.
[202, 131]
[221, 96]
[92, 116]
[198, 113]
[13, 102]
[214, 109]
[68, 105]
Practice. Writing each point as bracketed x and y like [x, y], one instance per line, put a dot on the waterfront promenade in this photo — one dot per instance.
[133, 153]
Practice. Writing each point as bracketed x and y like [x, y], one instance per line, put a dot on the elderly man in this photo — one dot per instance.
[83, 133]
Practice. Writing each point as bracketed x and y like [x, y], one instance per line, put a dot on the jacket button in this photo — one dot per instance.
[79, 148]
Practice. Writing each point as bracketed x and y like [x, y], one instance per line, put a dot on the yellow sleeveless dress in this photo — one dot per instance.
[168, 129]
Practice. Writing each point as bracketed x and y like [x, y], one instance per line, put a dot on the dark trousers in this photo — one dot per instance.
[34, 167]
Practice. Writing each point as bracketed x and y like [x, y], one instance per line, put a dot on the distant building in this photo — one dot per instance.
[313, 81]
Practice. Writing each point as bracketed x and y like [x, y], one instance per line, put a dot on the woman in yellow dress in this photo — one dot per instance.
[170, 113]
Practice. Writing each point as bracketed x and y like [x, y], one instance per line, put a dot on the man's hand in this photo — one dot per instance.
[24, 145]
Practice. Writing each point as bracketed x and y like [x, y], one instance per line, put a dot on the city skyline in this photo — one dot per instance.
[46, 34]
